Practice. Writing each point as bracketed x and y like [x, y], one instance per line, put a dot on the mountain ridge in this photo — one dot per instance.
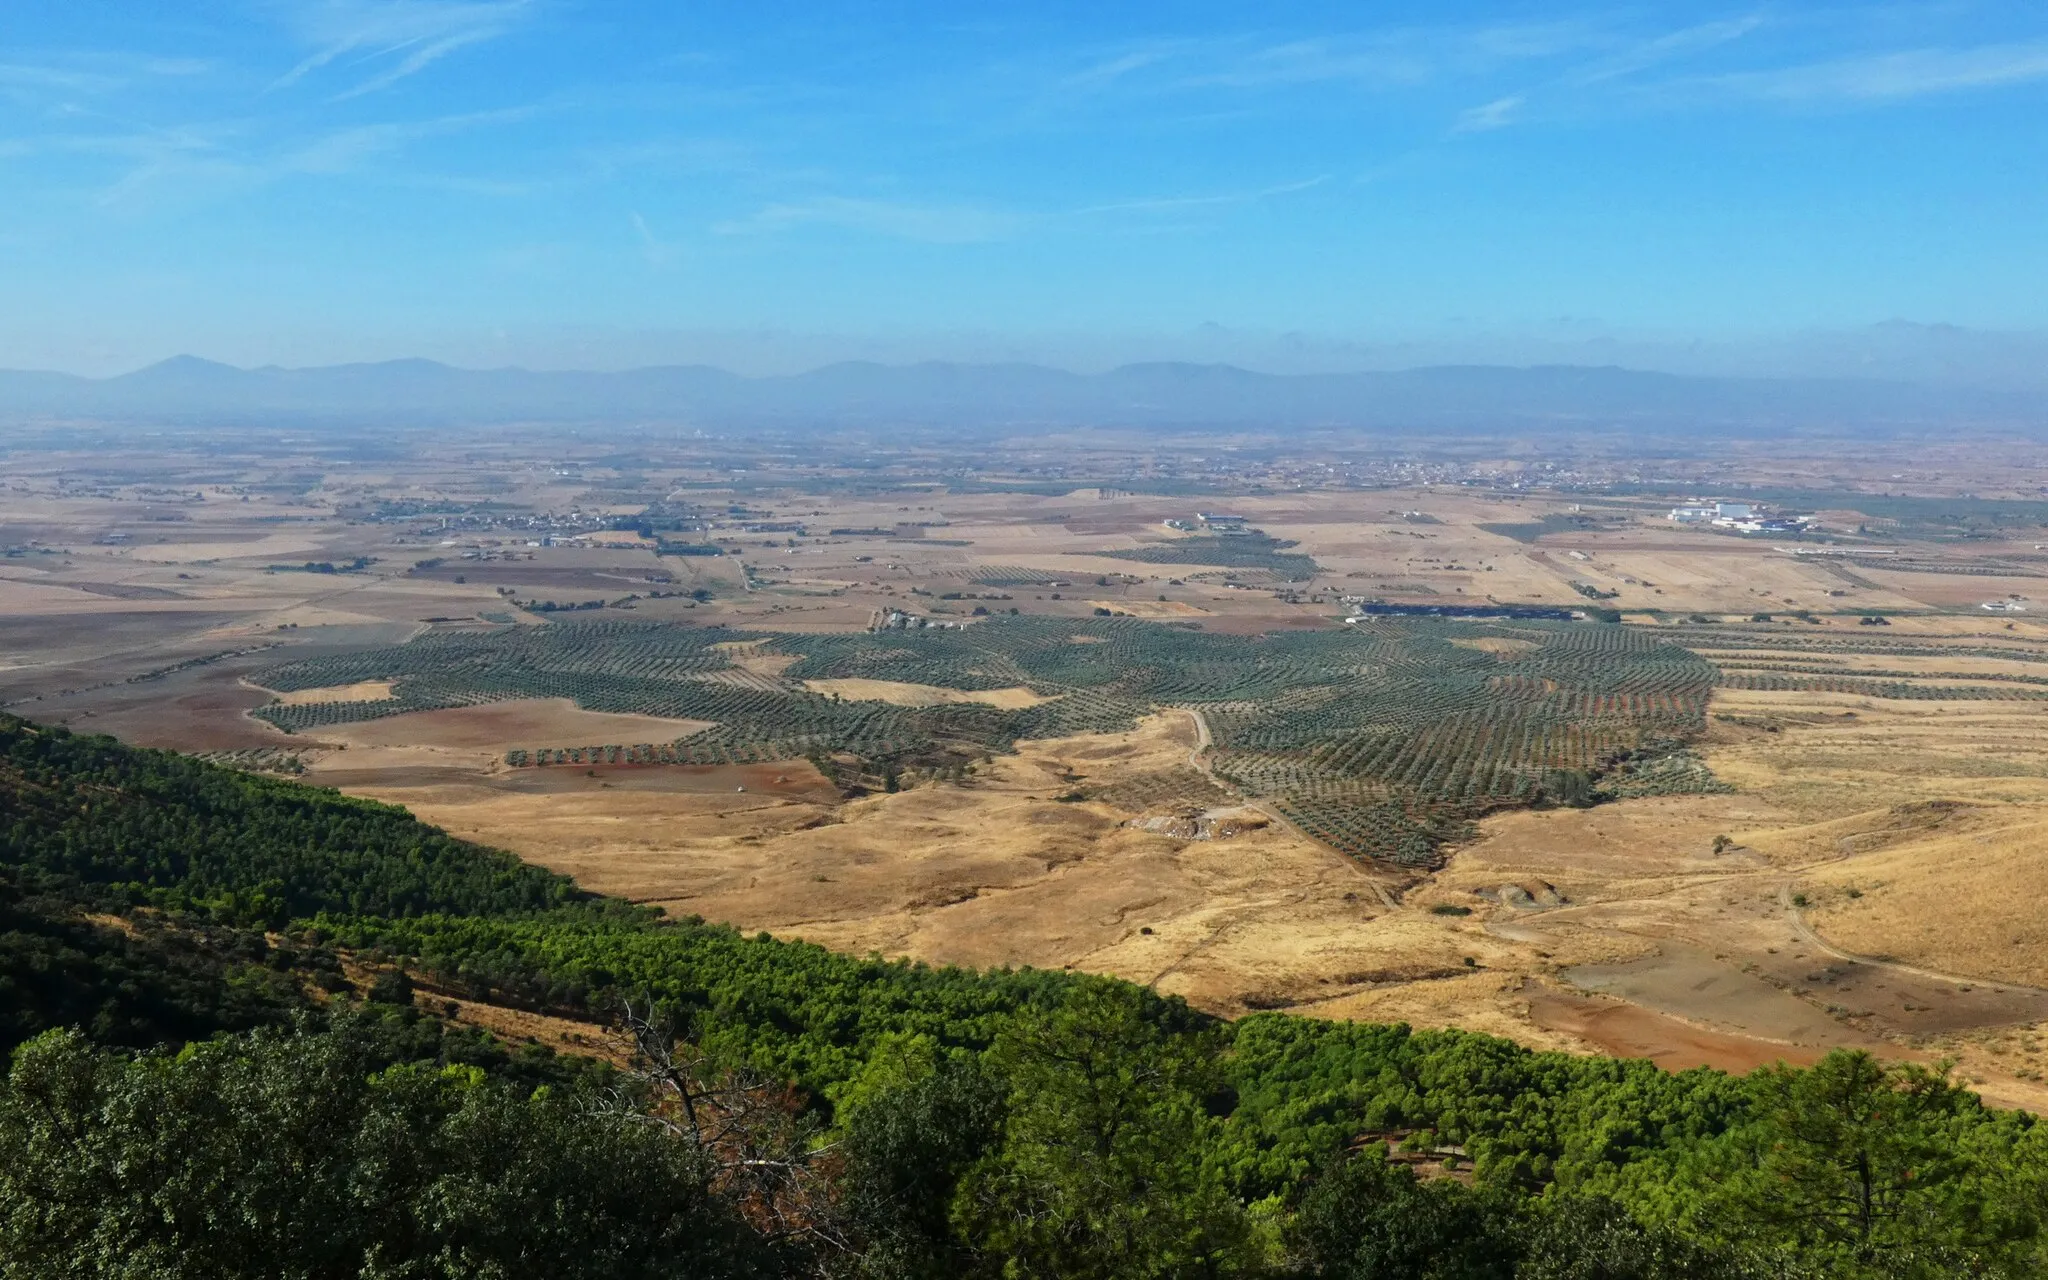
[961, 394]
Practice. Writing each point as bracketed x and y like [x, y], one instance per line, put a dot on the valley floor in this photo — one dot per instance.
[1873, 881]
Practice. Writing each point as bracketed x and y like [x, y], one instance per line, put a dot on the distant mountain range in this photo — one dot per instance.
[990, 396]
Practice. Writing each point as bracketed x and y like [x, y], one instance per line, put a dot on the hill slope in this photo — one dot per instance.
[157, 826]
[979, 1124]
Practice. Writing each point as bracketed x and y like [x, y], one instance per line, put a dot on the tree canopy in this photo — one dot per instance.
[223, 996]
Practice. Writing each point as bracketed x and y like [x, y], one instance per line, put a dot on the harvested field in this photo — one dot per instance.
[1620, 927]
[1827, 753]
[1498, 646]
[996, 872]
[898, 693]
[1697, 958]
[362, 691]
[1964, 896]
[1732, 577]
[1727, 930]
[204, 711]
[500, 726]
[1151, 608]
[1380, 738]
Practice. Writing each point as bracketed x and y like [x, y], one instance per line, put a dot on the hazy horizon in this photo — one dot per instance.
[1895, 351]
[1702, 188]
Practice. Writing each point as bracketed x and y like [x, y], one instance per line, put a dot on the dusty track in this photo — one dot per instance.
[1198, 757]
[1813, 939]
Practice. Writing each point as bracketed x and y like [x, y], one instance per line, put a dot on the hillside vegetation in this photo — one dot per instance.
[198, 1090]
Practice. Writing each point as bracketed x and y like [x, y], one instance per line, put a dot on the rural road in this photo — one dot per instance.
[1813, 939]
[1804, 931]
[1203, 741]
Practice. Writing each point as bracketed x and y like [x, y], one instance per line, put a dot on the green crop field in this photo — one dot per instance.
[1384, 738]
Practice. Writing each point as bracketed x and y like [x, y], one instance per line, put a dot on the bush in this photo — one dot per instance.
[291, 1155]
[392, 986]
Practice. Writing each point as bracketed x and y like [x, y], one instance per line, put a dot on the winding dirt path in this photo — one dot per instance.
[1197, 759]
[1812, 938]
[1202, 742]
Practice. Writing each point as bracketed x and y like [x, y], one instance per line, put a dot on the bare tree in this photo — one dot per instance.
[754, 1132]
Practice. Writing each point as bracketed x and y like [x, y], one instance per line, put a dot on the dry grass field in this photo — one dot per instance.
[1619, 928]
[1874, 877]
[361, 691]
[1963, 895]
[993, 872]
[921, 695]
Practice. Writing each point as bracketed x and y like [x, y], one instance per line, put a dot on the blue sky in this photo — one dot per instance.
[768, 184]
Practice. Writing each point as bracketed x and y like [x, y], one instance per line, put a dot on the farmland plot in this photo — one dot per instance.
[1383, 739]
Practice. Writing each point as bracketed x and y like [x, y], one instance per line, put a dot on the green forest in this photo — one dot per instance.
[224, 996]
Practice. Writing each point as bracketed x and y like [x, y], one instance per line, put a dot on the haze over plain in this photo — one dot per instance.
[1023, 641]
[1698, 188]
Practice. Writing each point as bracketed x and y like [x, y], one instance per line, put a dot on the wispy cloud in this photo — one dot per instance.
[657, 252]
[399, 38]
[182, 160]
[1376, 60]
[345, 150]
[1625, 59]
[930, 223]
[1510, 42]
[1168, 204]
[1110, 70]
[21, 75]
[86, 75]
[1400, 57]
[1379, 61]
[1648, 74]
[1577, 67]
[1598, 64]
[1910, 73]
[1644, 55]
[1498, 114]
[177, 165]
